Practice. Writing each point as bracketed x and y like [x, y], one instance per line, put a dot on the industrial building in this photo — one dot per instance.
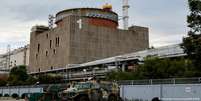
[82, 35]
[14, 58]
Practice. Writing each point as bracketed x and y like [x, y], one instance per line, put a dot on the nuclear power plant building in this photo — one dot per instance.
[82, 35]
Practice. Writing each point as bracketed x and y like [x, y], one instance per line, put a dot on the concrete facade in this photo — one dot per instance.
[3, 62]
[69, 44]
[16, 57]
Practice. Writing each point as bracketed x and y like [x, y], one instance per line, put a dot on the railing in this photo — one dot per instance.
[196, 80]
[85, 74]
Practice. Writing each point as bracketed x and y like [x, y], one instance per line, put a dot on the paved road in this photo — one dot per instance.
[13, 100]
[9, 99]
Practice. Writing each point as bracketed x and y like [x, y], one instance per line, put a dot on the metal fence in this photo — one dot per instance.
[166, 92]
[196, 80]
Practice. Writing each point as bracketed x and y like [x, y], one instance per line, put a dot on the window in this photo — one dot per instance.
[47, 35]
[36, 56]
[38, 47]
[11, 63]
[54, 51]
[39, 69]
[51, 68]
[50, 44]
[46, 53]
[57, 41]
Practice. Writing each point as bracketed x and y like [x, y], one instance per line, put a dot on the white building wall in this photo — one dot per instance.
[3, 63]
[18, 57]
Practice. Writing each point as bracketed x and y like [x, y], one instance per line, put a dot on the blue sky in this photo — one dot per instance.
[166, 19]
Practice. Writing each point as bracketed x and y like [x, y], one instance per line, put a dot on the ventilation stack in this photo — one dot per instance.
[125, 14]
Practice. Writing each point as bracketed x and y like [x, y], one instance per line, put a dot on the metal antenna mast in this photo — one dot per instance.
[51, 21]
[125, 14]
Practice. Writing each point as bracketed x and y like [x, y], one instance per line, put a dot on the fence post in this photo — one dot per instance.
[174, 82]
[150, 81]
[199, 79]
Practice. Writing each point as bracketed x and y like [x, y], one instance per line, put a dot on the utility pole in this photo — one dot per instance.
[8, 58]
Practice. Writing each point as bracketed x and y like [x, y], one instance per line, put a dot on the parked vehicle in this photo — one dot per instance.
[81, 91]
[91, 91]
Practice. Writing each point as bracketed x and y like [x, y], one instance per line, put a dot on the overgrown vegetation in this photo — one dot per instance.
[18, 76]
[50, 78]
[155, 68]
[3, 82]
[192, 43]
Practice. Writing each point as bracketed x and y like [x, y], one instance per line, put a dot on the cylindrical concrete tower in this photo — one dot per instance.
[99, 17]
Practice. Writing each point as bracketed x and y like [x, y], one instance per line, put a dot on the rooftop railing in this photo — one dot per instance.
[196, 80]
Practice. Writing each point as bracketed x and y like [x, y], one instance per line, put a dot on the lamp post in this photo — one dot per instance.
[84, 72]
[117, 60]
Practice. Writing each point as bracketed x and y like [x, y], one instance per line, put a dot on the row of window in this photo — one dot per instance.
[54, 50]
[11, 63]
[56, 44]
[46, 53]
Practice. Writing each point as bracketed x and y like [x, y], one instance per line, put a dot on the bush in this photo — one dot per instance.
[18, 76]
[15, 95]
[6, 95]
[23, 96]
[3, 82]
[50, 78]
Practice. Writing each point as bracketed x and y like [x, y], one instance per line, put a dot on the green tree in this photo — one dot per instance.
[18, 76]
[3, 82]
[192, 43]
[50, 78]
[155, 68]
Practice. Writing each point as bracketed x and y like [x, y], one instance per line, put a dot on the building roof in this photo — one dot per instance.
[15, 51]
[85, 9]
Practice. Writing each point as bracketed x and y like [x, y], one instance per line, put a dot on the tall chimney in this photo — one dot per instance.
[125, 14]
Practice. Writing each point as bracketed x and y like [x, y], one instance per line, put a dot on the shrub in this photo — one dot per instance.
[23, 96]
[15, 95]
[6, 95]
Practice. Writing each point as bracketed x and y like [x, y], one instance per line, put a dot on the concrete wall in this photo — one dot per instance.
[57, 55]
[20, 90]
[93, 42]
